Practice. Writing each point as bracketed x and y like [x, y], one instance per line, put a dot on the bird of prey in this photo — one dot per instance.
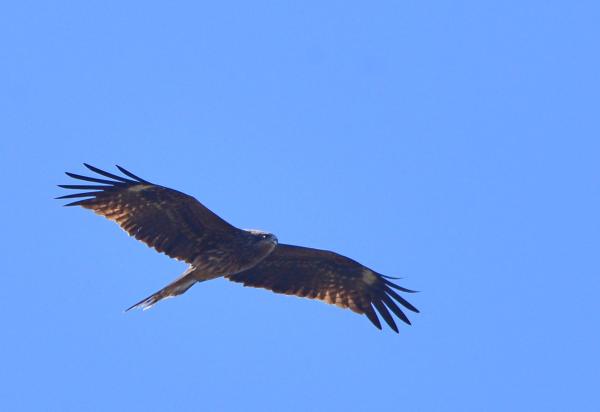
[181, 227]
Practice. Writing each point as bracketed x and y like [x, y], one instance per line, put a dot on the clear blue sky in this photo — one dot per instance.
[455, 144]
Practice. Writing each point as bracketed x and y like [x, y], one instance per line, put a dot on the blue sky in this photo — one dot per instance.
[455, 144]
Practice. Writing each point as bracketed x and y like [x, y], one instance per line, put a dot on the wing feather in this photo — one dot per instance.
[385, 313]
[109, 175]
[167, 220]
[128, 173]
[330, 277]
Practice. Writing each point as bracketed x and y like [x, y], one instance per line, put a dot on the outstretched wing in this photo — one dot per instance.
[333, 278]
[167, 220]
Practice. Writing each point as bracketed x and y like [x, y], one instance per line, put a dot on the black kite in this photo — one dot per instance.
[181, 227]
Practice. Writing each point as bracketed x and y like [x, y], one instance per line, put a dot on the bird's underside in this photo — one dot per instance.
[178, 225]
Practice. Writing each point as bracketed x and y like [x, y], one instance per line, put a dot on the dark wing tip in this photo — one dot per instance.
[82, 194]
[370, 313]
[94, 179]
[105, 185]
[77, 203]
[393, 285]
[385, 299]
[116, 180]
[400, 300]
[86, 187]
[128, 173]
[389, 277]
[385, 314]
[107, 174]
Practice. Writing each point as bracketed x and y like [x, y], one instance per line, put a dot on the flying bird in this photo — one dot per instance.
[181, 227]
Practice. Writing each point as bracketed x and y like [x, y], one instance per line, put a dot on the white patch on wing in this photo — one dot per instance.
[138, 188]
[368, 276]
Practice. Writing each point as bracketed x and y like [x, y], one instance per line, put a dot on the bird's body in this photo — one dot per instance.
[181, 227]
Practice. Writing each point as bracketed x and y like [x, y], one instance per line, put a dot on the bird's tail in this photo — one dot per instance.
[179, 286]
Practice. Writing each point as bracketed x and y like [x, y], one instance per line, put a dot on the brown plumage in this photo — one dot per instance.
[178, 225]
[330, 277]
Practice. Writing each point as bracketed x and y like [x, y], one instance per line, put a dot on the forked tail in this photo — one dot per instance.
[179, 286]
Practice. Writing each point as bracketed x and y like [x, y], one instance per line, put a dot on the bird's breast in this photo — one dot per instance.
[219, 262]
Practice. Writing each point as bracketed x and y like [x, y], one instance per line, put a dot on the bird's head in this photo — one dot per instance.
[263, 236]
[266, 241]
